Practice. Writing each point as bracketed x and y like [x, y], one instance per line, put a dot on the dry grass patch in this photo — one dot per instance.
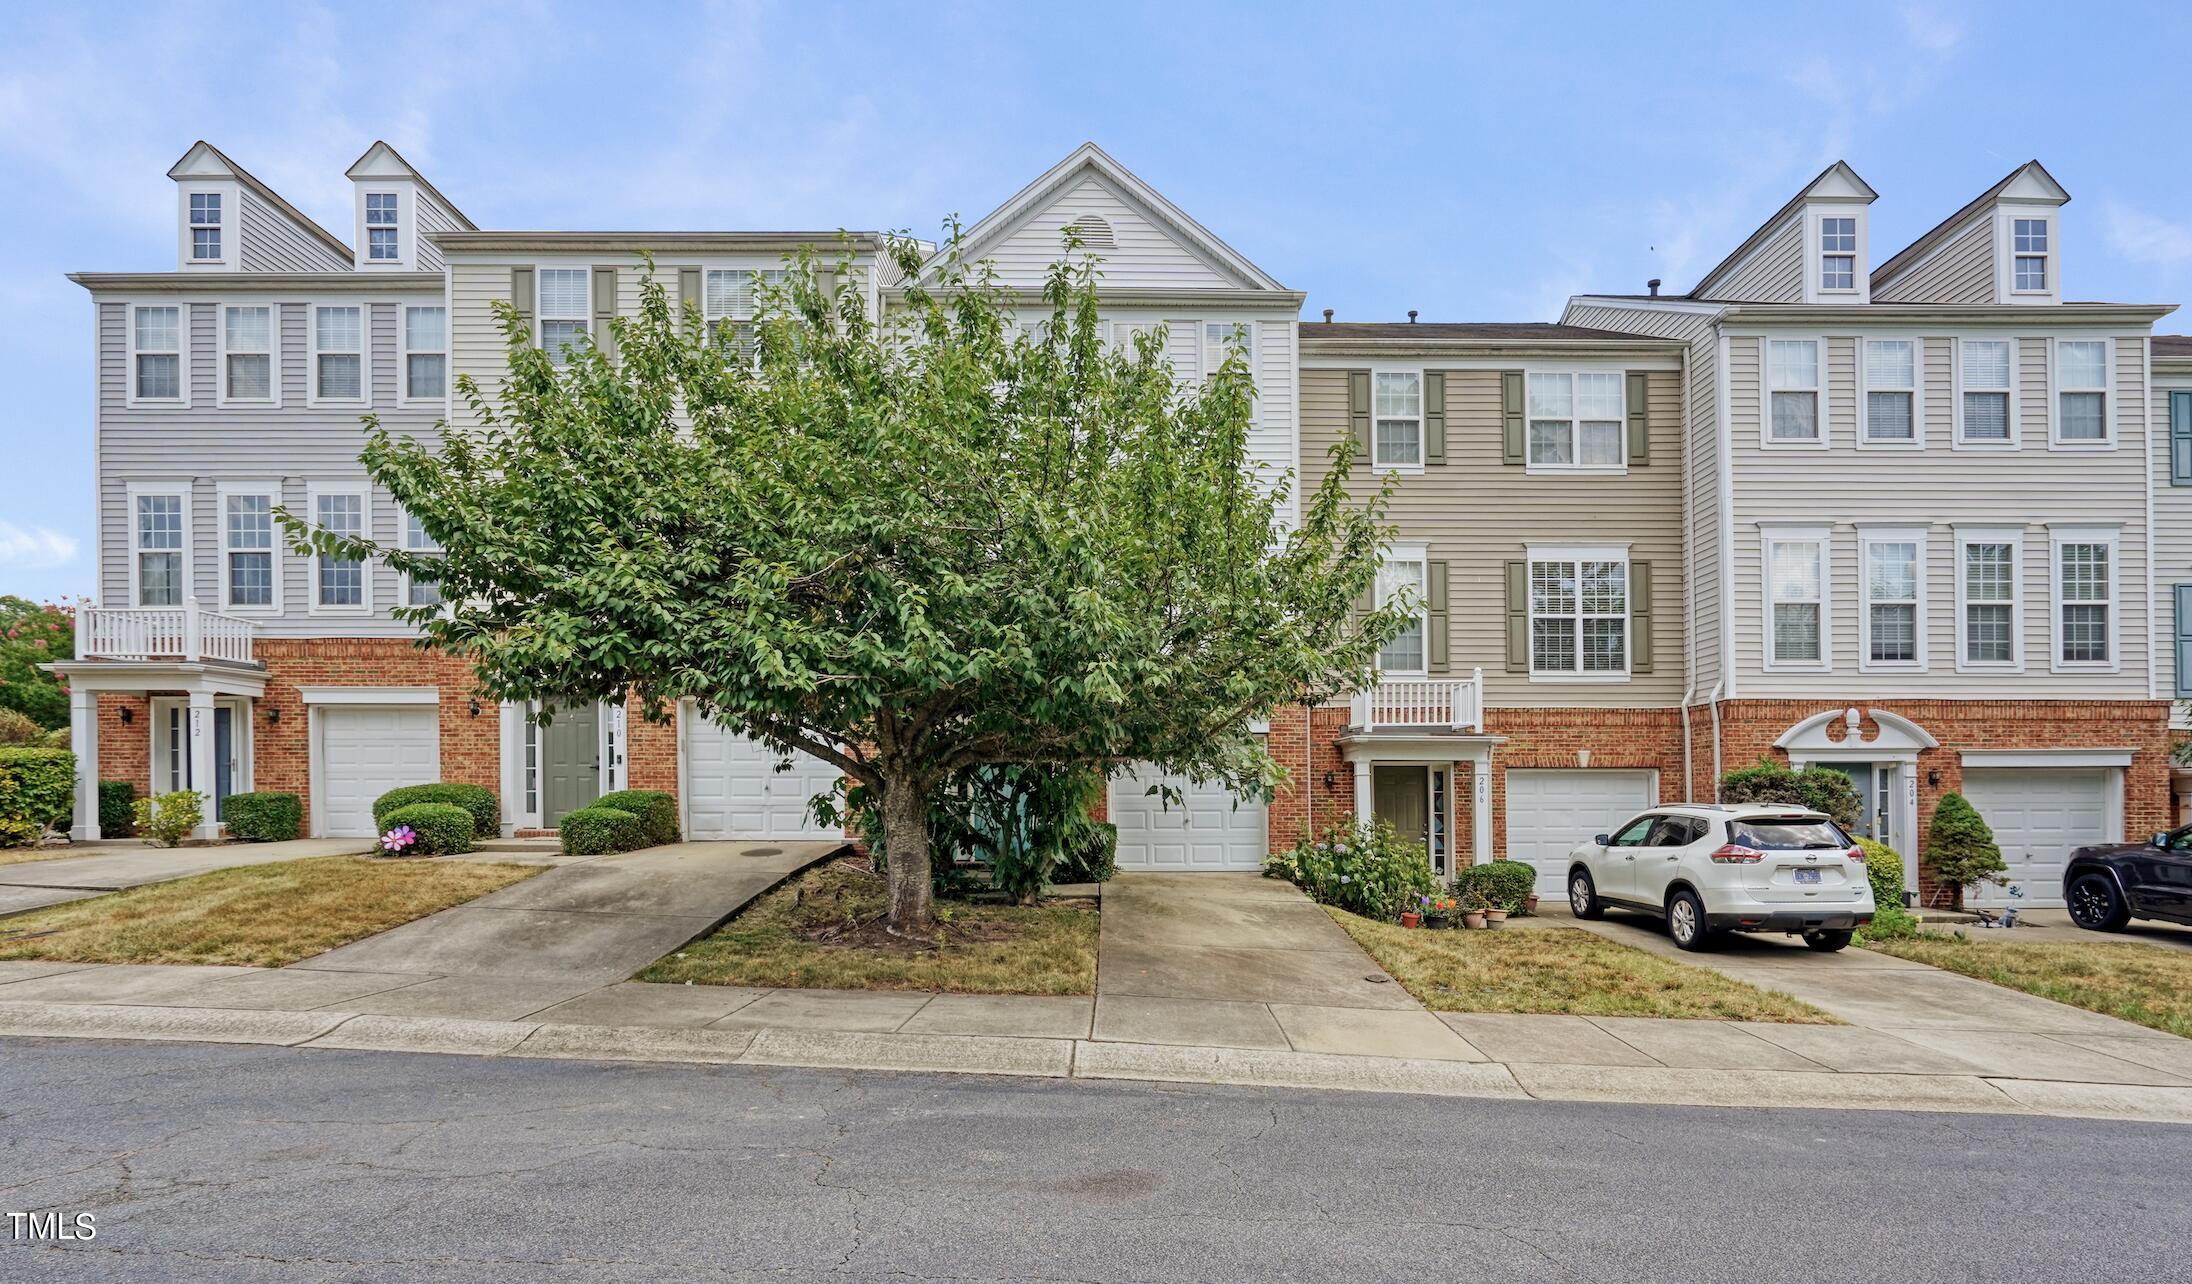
[1560, 970]
[2147, 984]
[824, 930]
[257, 915]
[24, 855]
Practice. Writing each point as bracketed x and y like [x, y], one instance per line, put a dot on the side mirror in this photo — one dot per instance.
[2159, 840]
[1601, 840]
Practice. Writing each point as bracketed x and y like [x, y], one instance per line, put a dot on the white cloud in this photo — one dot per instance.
[41, 548]
[2147, 238]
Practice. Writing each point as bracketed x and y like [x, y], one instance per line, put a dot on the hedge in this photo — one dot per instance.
[444, 829]
[37, 789]
[263, 817]
[656, 810]
[117, 809]
[478, 802]
[599, 831]
[1507, 884]
[1091, 858]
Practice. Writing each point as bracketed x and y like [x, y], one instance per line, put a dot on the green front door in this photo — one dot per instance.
[571, 751]
[1401, 798]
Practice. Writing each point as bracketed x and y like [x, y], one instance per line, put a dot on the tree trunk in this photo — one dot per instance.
[906, 855]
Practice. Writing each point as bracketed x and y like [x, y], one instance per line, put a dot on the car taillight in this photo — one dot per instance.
[1736, 854]
[1855, 853]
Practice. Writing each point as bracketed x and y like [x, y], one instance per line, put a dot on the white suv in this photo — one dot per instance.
[1711, 868]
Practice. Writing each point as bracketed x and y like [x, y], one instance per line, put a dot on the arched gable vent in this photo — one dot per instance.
[1094, 231]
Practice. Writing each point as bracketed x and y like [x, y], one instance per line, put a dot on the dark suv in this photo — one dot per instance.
[2108, 885]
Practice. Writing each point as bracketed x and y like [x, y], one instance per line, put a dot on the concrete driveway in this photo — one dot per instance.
[110, 867]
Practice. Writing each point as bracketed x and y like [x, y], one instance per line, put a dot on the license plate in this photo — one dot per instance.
[1807, 876]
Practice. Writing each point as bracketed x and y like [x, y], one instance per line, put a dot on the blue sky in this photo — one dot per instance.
[1476, 164]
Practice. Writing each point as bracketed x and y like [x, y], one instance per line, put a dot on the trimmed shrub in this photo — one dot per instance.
[443, 829]
[37, 789]
[1884, 869]
[117, 809]
[16, 728]
[478, 802]
[1504, 884]
[600, 831]
[60, 738]
[1821, 789]
[1093, 856]
[1960, 848]
[1374, 874]
[655, 809]
[263, 817]
[165, 820]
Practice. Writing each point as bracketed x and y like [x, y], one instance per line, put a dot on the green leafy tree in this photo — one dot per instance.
[31, 634]
[1961, 848]
[1821, 789]
[905, 544]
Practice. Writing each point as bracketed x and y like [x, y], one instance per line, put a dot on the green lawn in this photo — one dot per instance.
[824, 930]
[1549, 969]
[2147, 984]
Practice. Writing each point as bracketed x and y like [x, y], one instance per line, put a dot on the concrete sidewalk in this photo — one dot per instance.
[111, 867]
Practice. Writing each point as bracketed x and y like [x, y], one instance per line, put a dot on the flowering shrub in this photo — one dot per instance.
[1368, 872]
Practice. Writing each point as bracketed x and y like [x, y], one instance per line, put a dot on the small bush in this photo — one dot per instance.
[263, 817]
[1093, 857]
[1374, 873]
[600, 831]
[1820, 789]
[655, 809]
[1504, 884]
[117, 809]
[443, 829]
[165, 820]
[1960, 848]
[478, 802]
[16, 728]
[1884, 869]
[37, 789]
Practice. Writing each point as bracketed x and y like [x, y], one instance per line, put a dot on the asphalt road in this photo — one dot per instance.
[205, 1162]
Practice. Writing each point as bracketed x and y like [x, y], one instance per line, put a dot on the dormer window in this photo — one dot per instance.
[1838, 254]
[205, 227]
[381, 243]
[2029, 242]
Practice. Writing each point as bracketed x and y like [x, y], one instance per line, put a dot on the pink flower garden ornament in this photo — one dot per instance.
[399, 840]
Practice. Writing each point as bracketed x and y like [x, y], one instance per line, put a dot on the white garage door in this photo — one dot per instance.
[1204, 831]
[365, 751]
[1549, 812]
[2039, 815]
[733, 789]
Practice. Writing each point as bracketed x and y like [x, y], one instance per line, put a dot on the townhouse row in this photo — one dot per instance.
[1924, 522]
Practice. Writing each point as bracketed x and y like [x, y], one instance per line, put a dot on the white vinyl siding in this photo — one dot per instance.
[565, 310]
[1397, 420]
[157, 367]
[1577, 420]
[425, 353]
[1793, 392]
[338, 354]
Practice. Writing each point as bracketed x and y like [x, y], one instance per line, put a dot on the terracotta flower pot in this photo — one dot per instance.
[1409, 918]
[1474, 918]
[1530, 906]
[1495, 917]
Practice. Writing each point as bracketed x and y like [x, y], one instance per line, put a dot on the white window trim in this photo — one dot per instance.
[1957, 440]
[1766, 439]
[2014, 536]
[400, 227]
[1578, 553]
[2109, 408]
[586, 273]
[1423, 447]
[2006, 260]
[273, 399]
[1822, 537]
[1856, 287]
[403, 534]
[230, 194]
[1869, 534]
[271, 490]
[178, 486]
[313, 605]
[1575, 420]
[1213, 355]
[312, 396]
[1865, 439]
[182, 352]
[2059, 534]
[1420, 554]
[404, 352]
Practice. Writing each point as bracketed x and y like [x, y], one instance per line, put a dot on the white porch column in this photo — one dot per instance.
[1480, 808]
[1364, 803]
[84, 741]
[202, 777]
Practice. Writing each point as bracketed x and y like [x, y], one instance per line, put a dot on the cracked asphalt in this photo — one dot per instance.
[211, 1162]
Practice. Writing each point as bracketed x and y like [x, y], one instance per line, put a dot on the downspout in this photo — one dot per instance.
[1715, 698]
[1309, 773]
[1687, 692]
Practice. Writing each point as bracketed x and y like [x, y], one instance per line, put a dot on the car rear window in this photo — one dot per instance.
[1769, 835]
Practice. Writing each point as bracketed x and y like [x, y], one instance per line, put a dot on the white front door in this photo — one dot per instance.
[2039, 815]
[1549, 811]
[1208, 829]
[733, 789]
[365, 751]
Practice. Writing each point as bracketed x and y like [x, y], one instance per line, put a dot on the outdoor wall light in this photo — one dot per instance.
[1933, 777]
[1329, 780]
[129, 715]
[273, 715]
[472, 706]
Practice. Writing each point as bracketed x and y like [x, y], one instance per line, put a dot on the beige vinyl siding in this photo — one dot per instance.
[1939, 488]
[2172, 534]
[477, 345]
[1146, 254]
[1774, 272]
[1959, 270]
[1475, 514]
[270, 241]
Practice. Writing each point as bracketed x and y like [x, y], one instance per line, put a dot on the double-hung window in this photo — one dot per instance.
[1576, 420]
[156, 352]
[1792, 381]
[1396, 412]
[1988, 568]
[1796, 598]
[381, 243]
[425, 353]
[730, 302]
[2180, 438]
[338, 353]
[418, 590]
[1894, 579]
[205, 227]
[565, 302]
[2085, 598]
[157, 525]
[247, 550]
[2028, 239]
[1579, 614]
[2081, 391]
[247, 353]
[1220, 338]
[1404, 580]
[1838, 254]
[1891, 391]
[339, 582]
[1985, 367]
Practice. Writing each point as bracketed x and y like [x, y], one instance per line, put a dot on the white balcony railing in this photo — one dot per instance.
[1426, 704]
[186, 632]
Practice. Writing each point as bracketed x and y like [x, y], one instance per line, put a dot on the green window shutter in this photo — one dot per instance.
[1640, 419]
[688, 291]
[1434, 417]
[2184, 641]
[1640, 616]
[1518, 617]
[1510, 421]
[521, 297]
[605, 309]
[2180, 438]
[1358, 411]
[1435, 658]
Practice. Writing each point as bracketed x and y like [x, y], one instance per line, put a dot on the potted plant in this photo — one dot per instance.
[1440, 912]
[1473, 909]
[1494, 916]
[1410, 918]
[1530, 906]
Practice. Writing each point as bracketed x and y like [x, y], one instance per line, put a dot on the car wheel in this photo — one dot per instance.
[1686, 921]
[2096, 905]
[1583, 899]
[1827, 942]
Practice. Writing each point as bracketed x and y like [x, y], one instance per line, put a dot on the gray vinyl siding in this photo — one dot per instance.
[269, 241]
[1146, 253]
[1475, 514]
[432, 216]
[1774, 272]
[292, 446]
[2172, 533]
[1959, 270]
